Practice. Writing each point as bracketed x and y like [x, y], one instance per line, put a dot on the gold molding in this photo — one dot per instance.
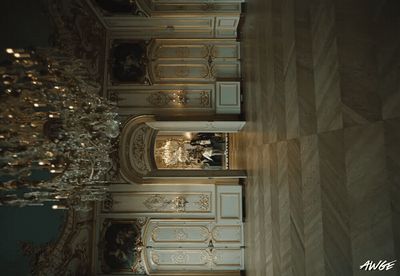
[209, 194]
[240, 229]
[177, 226]
[220, 205]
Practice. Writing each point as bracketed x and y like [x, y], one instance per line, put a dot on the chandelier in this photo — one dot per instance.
[174, 152]
[56, 133]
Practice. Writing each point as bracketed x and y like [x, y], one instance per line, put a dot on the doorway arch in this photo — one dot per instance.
[137, 156]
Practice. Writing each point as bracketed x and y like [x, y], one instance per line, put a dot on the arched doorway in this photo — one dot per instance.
[152, 150]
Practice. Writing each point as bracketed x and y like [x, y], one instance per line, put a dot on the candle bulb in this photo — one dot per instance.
[22, 55]
[56, 171]
[27, 62]
[54, 115]
[59, 207]
[44, 163]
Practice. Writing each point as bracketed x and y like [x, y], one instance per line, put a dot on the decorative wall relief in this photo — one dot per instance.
[175, 51]
[199, 259]
[181, 234]
[121, 246]
[156, 101]
[189, 233]
[163, 98]
[194, 61]
[206, 233]
[196, 7]
[155, 258]
[205, 100]
[158, 202]
[208, 257]
[179, 257]
[197, 71]
[203, 202]
[180, 98]
[108, 202]
[159, 99]
[135, 149]
[139, 150]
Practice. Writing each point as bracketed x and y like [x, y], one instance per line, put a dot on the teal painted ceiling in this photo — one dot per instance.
[24, 23]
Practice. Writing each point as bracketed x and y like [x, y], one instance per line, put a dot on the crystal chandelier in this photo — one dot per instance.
[173, 152]
[56, 133]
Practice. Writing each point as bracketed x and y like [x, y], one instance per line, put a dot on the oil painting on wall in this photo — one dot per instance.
[121, 246]
[129, 62]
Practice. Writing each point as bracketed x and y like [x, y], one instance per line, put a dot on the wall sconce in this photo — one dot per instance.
[179, 97]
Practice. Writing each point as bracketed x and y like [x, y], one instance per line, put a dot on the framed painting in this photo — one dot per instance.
[121, 246]
[128, 62]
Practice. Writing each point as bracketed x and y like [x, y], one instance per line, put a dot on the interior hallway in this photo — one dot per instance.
[322, 142]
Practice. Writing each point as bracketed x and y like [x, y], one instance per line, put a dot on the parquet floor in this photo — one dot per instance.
[321, 140]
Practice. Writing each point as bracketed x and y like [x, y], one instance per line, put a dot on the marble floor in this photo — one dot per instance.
[321, 83]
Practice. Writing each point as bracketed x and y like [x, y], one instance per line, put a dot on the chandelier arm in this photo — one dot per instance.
[72, 139]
